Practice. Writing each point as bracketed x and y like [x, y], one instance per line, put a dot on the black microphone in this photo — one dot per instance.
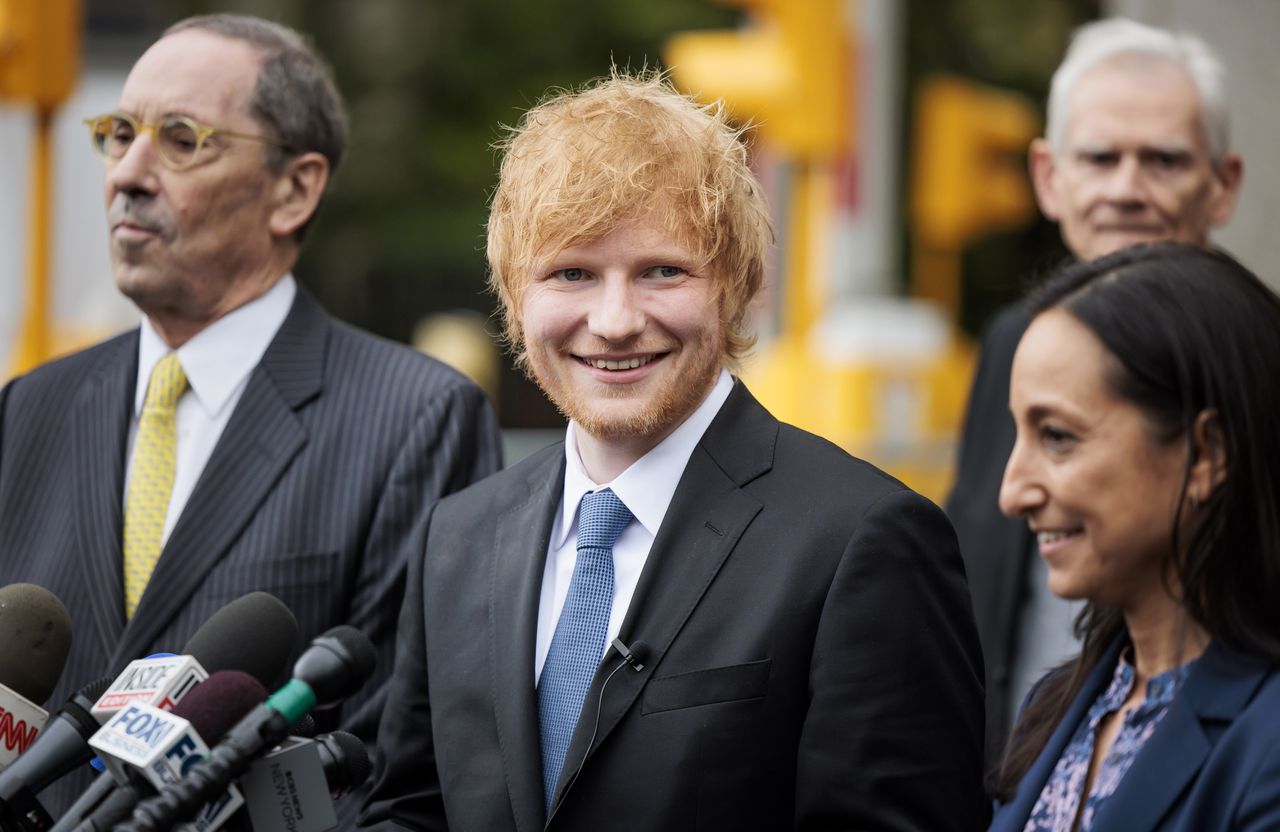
[345, 760]
[62, 745]
[255, 633]
[35, 636]
[293, 787]
[212, 708]
[336, 665]
[634, 656]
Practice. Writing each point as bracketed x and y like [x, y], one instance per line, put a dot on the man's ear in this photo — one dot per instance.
[297, 191]
[1209, 461]
[1043, 177]
[1227, 175]
[1043, 168]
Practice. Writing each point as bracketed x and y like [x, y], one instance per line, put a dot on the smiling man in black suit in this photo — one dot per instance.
[687, 615]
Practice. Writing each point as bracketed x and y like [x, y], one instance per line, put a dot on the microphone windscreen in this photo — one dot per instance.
[336, 664]
[256, 633]
[214, 706]
[358, 646]
[35, 635]
[351, 762]
[306, 728]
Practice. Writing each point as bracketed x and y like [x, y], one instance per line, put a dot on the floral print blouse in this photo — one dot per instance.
[1059, 802]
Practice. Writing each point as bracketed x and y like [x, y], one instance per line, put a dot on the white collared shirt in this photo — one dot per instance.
[646, 489]
[217, 361]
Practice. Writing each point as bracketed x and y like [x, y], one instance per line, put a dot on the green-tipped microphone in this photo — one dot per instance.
[332, 668]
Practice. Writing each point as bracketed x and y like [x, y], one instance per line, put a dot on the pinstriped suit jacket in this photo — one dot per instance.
[335, 451]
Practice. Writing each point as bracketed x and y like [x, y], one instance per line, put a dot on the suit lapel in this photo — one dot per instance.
[1218, 687]
[261, 438]
[707, 516]
[519, 556]
[100, 425]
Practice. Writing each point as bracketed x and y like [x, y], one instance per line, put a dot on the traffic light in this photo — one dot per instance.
[39, 50]
[970, 172]
[787, 71]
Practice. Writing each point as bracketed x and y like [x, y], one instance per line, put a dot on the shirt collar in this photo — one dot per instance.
[219, 357]
[646, 488]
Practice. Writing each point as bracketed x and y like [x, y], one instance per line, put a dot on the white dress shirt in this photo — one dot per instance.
[646, 489]
[217, 362]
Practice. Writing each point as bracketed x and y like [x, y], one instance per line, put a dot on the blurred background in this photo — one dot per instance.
[891, 139]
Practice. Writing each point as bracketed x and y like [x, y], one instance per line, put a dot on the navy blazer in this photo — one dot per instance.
[1213, 762]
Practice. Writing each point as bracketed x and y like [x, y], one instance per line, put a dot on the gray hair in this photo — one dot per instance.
[1103, 40]
[295, 98]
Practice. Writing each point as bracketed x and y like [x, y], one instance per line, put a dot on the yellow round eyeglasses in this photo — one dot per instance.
[177, 139]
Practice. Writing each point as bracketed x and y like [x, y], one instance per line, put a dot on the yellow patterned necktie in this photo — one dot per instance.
[151, 478]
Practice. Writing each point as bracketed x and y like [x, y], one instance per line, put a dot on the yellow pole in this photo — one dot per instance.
[798, 307]
[34, 342]
[937, 276]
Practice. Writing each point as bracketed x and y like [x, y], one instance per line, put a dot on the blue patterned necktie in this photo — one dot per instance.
[578, 643]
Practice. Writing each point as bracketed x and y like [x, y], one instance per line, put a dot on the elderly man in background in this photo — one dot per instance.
[240, 439]
[1136, 150]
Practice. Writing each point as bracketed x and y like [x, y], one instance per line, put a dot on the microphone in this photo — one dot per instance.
[59, 747]
[255, 634]
[35, 636]
[333, 667]
[345, 760]
[634, 656]
[293, 787]
[146, 748]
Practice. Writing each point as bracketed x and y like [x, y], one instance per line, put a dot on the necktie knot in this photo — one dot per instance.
[601, 518]
[167, 384]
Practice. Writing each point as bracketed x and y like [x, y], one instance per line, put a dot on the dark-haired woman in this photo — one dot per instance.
[1146, 395]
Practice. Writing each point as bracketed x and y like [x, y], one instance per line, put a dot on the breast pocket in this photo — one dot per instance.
[707, 687]
[300, 580]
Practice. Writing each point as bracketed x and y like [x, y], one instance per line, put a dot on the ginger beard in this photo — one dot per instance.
[636, 296]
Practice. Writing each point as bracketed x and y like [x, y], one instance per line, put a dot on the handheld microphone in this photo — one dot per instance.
[59, 747]
[345, 760]
[254, 634]
[146, 748]
[335, 666]
[293, 787]
[35, 636]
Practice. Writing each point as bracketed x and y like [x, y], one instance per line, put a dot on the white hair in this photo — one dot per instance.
[1103, 40]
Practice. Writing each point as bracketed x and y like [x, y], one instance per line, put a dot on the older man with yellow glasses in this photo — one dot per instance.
[239, 439]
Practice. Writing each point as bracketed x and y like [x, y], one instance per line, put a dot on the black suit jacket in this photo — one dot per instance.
[335, 450]
[812, 661]
[995, 547]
